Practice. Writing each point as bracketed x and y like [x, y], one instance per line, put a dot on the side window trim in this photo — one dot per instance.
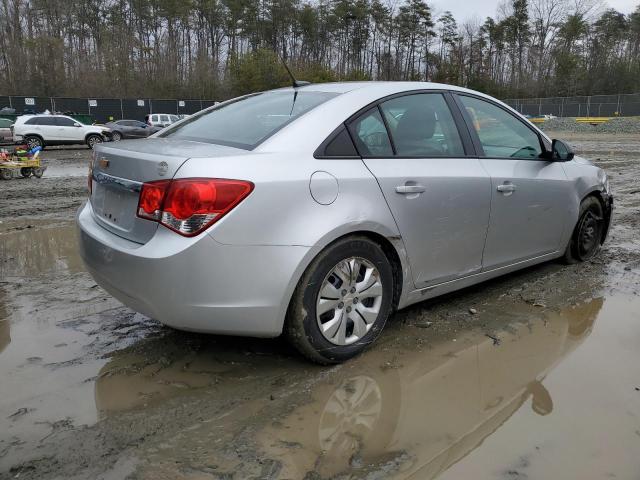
[474, 135]
[470, 148]
[361, 113]
[386, 127]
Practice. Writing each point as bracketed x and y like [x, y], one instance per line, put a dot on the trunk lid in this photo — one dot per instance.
[120, 169]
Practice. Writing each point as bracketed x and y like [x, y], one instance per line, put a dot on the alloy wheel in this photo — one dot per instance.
[349, 301]
[33, 142]
[94, 140]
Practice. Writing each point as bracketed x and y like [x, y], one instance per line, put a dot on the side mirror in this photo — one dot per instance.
[561, 152]
[77, 125]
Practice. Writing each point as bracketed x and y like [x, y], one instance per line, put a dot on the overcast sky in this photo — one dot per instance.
[465, 9]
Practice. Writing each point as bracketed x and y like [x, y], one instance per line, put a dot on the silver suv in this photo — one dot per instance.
[45, 130]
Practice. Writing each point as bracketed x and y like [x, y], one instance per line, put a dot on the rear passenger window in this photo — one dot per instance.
[33, 121]
[501, 133]
[64, 122]
[421, 125]
[370, 135]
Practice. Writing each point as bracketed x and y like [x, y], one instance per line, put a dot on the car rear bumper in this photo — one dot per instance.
[196, 283]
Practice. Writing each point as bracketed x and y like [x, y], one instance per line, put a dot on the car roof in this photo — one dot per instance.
[351, 98]
[391, 86]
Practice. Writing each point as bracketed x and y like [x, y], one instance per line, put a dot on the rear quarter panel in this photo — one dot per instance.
[281, 209]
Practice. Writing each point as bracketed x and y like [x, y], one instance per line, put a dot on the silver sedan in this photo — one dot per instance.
[317, 211]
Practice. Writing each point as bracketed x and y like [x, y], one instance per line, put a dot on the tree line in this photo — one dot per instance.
[215, 49]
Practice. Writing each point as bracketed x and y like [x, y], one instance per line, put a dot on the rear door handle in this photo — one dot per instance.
[409, 189]
[507, 188]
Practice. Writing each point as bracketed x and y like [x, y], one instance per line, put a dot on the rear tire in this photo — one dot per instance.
[93, 140]
[352, 281]
[38, 172]
[5, 174]
[587, 236]
[33, 141]
[26, 172]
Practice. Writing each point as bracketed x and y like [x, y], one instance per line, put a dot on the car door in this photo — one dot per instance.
[139, 129]
[530, 195]
[437, 190]
[47, 128]
[67, 130]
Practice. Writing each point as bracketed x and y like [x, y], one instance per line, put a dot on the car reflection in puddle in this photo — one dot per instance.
[421, 415]
[5, 324]
[5, 334]
[434, 409]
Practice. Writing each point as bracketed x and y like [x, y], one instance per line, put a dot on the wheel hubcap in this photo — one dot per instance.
[33, 143]
[94, 140]
[349, 301]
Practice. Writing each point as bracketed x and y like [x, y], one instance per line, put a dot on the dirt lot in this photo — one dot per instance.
[543, 381]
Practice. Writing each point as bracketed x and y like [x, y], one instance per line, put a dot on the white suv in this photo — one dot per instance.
[43, 130]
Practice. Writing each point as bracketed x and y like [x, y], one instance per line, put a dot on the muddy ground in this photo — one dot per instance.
[543, 381]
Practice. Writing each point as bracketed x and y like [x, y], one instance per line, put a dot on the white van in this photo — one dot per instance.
[160, 119]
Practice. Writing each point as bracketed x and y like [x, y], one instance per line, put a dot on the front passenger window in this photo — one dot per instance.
[501, 134]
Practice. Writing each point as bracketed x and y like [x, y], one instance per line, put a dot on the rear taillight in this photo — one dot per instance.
[190, 205]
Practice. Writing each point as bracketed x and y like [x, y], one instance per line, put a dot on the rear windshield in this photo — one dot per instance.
[247, 121]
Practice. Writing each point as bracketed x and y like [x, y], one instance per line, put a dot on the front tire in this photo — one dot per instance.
[26, 172]
[342, 301]
[93, 140]
[587, 236]
[116, 136]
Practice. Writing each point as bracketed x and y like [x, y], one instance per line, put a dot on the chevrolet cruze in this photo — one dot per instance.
[317, 211]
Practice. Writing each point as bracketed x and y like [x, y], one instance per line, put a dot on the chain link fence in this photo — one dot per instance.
[104, 109]
[624, 105]
[107, 109]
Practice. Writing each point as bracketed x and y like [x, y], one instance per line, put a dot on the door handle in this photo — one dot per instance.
[409, 189]
[507, 188]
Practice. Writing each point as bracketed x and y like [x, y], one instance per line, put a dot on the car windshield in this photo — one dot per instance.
[247, 121]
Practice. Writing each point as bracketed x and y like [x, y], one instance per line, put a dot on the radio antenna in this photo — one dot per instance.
[295, 83]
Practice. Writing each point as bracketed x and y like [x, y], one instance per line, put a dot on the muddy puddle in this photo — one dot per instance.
[543, 381]
[535, 394]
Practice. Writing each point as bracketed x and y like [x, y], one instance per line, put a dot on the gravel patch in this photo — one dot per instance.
[615, 125]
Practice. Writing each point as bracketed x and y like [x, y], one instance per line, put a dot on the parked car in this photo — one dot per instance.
[5, 130]
[45, 130]
[160, 119]
[124, 129]
[320, 210]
